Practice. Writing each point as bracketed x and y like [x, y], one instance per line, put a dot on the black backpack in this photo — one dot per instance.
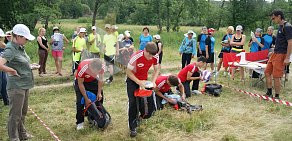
[213, 89]
[98, 116]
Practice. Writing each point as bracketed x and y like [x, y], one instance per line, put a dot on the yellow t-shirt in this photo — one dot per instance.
[93, 47]
[116, 33]
[109, 40]
[79, 44]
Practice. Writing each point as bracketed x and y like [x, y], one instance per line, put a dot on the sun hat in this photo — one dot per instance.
[190, 32]
[22, 30]
[157, 37]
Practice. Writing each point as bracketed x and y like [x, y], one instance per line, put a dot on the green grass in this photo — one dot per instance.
[231, 117]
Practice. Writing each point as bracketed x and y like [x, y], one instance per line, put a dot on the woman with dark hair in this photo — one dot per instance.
[144, 38]
[43, 51]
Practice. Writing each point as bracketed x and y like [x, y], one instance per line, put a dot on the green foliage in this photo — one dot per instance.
[110, 18]
[83, 20]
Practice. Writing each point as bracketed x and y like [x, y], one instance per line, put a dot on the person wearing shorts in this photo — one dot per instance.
[281, 56]
[210, 46]
[201, 42]
[57, 42]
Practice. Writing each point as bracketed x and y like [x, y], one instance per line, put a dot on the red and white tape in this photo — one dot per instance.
[263, 97]
[45, 125]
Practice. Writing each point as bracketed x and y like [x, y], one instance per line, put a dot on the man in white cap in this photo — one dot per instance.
[79, 43]
[15, 62]
[94, 41]
[111, 44]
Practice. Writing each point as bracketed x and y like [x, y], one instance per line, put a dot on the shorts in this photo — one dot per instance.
[57, 53]
[211, 58]
[275, 66]
[222, 51]
[109, 60]
[203, 54]
[160, 57]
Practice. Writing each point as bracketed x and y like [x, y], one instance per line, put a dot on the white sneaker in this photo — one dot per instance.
[80, 126]
[196, 92]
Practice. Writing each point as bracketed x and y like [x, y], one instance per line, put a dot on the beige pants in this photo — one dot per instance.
[18, 102]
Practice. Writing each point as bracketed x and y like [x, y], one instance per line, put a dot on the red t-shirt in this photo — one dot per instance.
[83, 71]
[161, 83]
[182, 75]
[140, 65]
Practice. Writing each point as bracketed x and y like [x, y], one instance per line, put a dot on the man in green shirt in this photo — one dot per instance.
[94, 41]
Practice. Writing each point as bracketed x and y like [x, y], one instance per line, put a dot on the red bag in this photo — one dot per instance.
[142, 93]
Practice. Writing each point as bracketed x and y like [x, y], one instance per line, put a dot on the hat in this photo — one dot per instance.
[107, 26]
[22, 30]
[157, 37]
[93, 28]
[55, 28]
[8, 33]
[2, 33]
[239, 27]
[114, 27]
[190, 31]
[82, 30]
[127, 33]
[211, 30]
[259, 30]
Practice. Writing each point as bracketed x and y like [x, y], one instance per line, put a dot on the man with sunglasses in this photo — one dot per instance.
[281, 56]
[137, 74]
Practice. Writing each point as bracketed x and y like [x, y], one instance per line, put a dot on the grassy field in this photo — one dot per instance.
[231, 117]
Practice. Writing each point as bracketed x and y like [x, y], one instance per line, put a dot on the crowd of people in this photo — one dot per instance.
[118, 49]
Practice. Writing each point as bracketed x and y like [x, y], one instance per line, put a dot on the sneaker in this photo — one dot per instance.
[277, 96]
[80, 126]
[26, 136]
[269, 95]
[196, 92]
[133, 133]
[107, 81]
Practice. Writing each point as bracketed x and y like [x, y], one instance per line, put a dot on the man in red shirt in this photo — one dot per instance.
[164, 84]
[89, 77]
[191, 72]
[137, 73]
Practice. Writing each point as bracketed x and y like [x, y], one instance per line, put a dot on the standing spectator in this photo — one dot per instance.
[137, 73]
[111, 51]
[257, 42]
[201, 42]
[75, 33]
[126, 49]
[129, 32]
[281, 56]
[225, 43]
[15, 62]
[210, 46]
[89, 77]
[144, 38]
[43, 51]
[115, 30]
[3, 80]
[57, 42]
[237, 43]
[94, 41]
[157, 40]
[79, 44]
[8, 37]
[187, 49]
[269, 39]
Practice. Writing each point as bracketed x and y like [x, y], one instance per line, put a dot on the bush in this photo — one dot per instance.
[83, 20]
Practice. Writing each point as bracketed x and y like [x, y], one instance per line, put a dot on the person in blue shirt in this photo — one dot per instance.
[269, 38]
[201, 42]
[144, 38]
[187, 49]
[226, 47]
[210, 46]
[256, 43]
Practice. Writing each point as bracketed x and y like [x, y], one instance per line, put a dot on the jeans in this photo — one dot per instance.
[3, 91]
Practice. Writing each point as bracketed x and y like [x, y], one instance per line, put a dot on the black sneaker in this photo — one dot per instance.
[133, 133]
[269, 95]
[277, 96]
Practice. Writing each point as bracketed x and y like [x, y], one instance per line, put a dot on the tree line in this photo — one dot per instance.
[170, 14]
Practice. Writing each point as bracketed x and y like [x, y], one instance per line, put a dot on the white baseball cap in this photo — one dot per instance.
[2, 33]
[114, 27]
[82, 30]
[157, 37]
[127, 34]
[93, 28]
[22, 30]
[239, 27]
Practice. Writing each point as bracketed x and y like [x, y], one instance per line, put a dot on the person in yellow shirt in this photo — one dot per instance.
[94, 41]
[79, 44]
[111, 49]
[114, 30]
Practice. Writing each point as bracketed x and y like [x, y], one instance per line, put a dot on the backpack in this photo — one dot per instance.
[146, 103]
[213, 89]
[97, 115]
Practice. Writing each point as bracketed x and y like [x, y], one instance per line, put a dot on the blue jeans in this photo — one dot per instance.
[3, 91]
